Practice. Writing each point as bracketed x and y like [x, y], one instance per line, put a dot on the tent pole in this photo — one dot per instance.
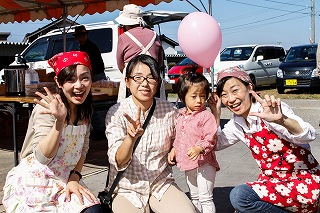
[64, 16]
[212, 67]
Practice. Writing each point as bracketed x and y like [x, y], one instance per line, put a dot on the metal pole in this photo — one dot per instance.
[64, 28]
[212, 67]
[312, 23]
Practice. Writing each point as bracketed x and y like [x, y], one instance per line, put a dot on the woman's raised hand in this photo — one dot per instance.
[53, 105]
[271, 108]
[134, 130]
[214, 102]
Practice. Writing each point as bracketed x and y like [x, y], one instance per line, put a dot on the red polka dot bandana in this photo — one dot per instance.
[65, 59]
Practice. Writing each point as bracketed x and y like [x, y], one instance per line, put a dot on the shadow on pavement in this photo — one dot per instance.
[221, 199]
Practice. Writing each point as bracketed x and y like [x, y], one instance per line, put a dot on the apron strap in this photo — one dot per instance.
[144, 49]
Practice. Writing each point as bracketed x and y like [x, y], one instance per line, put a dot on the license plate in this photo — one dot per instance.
[291, 82]
[172, 82]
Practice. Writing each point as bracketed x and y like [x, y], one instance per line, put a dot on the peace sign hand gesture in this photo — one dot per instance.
[134, 130]
[53, 105]
[271, 108]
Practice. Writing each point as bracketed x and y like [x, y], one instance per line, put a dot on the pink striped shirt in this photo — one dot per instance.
[198, 128]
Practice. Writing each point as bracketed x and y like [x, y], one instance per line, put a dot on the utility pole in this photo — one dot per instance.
[312, 23]
[212, 68]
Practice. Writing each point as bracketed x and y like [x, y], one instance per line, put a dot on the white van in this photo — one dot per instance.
[104, 34]
[261, 62]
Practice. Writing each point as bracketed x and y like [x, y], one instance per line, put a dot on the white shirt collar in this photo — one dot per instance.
[252, 120]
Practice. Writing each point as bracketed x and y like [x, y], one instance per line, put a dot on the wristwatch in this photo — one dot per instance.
[75, 172]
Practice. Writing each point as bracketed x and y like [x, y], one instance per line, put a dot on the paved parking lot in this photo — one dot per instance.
[236, 162]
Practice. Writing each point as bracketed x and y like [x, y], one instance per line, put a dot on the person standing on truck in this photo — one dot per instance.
[137, 39]
[86, 45]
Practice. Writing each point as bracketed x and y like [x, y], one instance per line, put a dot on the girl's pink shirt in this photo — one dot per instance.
[198, 128]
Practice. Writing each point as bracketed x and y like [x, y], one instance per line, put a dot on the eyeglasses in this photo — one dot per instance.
[139, 79]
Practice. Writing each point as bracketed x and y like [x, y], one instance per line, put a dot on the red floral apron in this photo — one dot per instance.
[290, 174]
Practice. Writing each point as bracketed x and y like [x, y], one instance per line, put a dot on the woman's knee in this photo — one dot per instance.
[173, 198]
[122, 204]
[242, 196]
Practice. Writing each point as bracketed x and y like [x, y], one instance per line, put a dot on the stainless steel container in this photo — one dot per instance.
[14, 77]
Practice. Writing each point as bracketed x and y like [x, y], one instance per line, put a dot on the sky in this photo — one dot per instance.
[285, 22]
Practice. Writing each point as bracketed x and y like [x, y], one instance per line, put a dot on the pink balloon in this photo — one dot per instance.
[200, 38]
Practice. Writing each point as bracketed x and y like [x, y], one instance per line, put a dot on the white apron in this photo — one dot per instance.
[35, 187]
[144, 50]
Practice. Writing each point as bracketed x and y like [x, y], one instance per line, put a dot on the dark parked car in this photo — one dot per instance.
[298, 69]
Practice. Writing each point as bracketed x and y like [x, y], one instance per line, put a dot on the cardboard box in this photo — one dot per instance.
[168, 86]
[2, 89]
[44, 77]
[112, 91]
[32, 88]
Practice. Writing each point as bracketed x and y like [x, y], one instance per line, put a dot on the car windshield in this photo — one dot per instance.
[186, 61]
[236, 53]
[302, 53]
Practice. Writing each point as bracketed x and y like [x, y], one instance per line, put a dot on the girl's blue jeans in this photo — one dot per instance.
[245, 200]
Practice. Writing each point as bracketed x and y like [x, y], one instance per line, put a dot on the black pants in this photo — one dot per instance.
[93, 209]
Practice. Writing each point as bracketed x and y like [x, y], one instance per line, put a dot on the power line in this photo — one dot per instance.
[254, 5]
[264, 20]
[257, 26]
[285, 3]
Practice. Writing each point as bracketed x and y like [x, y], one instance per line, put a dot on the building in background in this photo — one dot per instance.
[170, 49]
[9, 49]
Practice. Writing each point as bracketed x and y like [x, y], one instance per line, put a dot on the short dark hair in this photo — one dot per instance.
[80, 30]
[151, 63]
[147, 60]
[223, 81]
[189, 78]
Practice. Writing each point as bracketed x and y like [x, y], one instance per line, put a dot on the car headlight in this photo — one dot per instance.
[315, 72]
[279, 73]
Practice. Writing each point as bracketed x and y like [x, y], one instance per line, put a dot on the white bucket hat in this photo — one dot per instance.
[131, 15]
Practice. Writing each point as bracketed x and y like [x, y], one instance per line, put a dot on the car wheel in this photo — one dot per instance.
[280, 90]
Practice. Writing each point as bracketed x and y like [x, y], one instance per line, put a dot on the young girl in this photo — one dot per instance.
[56, 143]
[147, 181]
[279, 142]
[193, 147]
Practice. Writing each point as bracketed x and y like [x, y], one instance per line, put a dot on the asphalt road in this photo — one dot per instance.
[236, 162]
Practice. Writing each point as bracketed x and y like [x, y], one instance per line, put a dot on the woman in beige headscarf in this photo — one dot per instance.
[137, 39]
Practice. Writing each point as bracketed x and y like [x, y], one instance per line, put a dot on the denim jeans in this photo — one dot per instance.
[244, 199]
[93, 209]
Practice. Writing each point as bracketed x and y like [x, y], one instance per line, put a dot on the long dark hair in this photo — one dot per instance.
[84, 111]
[188, 78]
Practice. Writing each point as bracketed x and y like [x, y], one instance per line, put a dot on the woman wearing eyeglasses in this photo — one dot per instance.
[147, 182]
